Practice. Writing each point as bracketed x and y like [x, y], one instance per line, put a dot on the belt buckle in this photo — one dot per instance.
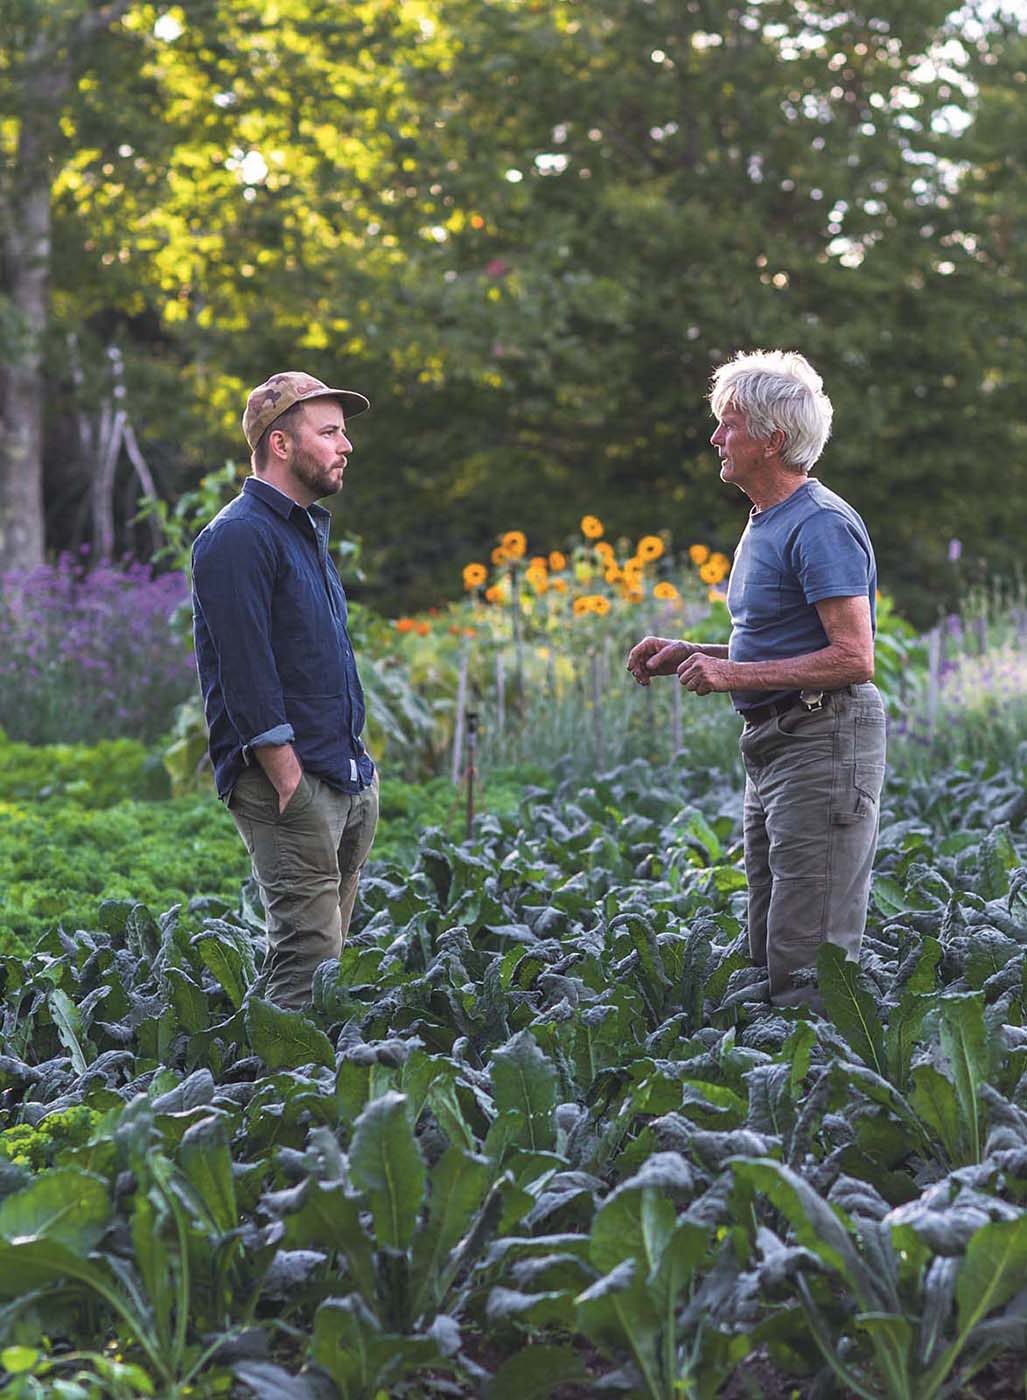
[811, 700]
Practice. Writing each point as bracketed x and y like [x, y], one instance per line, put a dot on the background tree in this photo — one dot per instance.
[528, 231]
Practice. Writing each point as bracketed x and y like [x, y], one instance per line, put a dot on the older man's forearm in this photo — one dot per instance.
[828, 669]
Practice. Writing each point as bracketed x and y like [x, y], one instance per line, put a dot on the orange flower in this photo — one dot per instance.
[557, 560]
[650, 547]
[474, 575]
[605, 551]
[716, 568]
[715, 596]
[666, 592]
[539, 561]
[423, 629]
[698, 553]
[405, 624]
[601, 605]
[591, 527]
[581, 606]
[494, 594]
[538, 578]
[500, 556]
[560, 584]
[633, 571]
[515, 543]
[613, 574]
[635, 595]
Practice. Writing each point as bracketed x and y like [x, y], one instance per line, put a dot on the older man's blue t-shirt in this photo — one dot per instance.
[810, 546]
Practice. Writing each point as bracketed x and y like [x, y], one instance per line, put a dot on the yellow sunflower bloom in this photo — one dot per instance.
[591, 527]
[666, 592]
[600, 605]
[605, 551]
[711, 572]
[538, 578]
[650, 547]
[494, 594]
[474, 575]
[515, 543]
[500, 556]
[582, 606]
[698, 553]
[722, 562]
[634, 595]
[613, 574]
[557, 561]
[560, 584]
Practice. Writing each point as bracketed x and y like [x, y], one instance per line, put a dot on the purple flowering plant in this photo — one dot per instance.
[90, 653]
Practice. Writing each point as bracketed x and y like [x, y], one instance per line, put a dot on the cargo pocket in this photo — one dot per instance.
[859, 800]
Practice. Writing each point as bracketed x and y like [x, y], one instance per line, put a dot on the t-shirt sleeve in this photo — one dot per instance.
[830, 559]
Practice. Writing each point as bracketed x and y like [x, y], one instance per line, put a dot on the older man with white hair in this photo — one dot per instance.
[798, 665]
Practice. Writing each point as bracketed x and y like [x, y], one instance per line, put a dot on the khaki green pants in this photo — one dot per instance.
[307, 862]
[813, 785]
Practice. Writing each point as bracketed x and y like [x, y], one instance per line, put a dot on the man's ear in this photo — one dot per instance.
[774, 445]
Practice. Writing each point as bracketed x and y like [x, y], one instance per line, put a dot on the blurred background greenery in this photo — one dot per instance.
[527, 229]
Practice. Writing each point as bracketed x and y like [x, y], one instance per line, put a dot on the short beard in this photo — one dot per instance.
[313, 474]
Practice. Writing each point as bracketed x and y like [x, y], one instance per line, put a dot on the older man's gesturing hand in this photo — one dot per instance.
[703, 674]
[657, 656]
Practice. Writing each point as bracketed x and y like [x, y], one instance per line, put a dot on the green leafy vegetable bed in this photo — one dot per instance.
[540, 1134]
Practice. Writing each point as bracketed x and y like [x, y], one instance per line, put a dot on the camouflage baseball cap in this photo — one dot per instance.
[269, 401]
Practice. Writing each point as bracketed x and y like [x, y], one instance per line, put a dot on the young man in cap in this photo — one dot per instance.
[798, 665]
[281, 693]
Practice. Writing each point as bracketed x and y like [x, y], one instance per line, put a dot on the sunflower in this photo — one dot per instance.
[600, 605]
[666, 592]
[722, 562]
[474, 575]
[634, 595]
[538, 578]
[560, 584]
[613, 574]
[582, 606]
[494, 594]
[709, 572]
[605, 551]
[591, 527]
[698, 553]
[500, 556]
[649, 547]
[515, 543]
[557, 561]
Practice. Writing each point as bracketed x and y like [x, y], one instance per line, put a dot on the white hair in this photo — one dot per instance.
[777, 390]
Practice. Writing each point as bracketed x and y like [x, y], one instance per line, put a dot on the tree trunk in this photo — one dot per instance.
[27, 253]
[49, 66]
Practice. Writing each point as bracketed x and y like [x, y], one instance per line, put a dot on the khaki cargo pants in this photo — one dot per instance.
[307, 862]
[812, 793]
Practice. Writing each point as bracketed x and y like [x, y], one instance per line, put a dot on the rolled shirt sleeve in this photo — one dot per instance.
[831, 560]
[234, 571]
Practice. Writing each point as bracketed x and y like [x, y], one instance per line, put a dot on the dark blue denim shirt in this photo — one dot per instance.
[274, 656]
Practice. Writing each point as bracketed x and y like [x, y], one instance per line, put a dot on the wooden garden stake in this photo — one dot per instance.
[597, 714]
[933, 679]
[675, 715]
[500, 694]
[472, 771]
[458, 726]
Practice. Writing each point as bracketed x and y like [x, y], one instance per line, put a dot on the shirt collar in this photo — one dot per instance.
[282, 503]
